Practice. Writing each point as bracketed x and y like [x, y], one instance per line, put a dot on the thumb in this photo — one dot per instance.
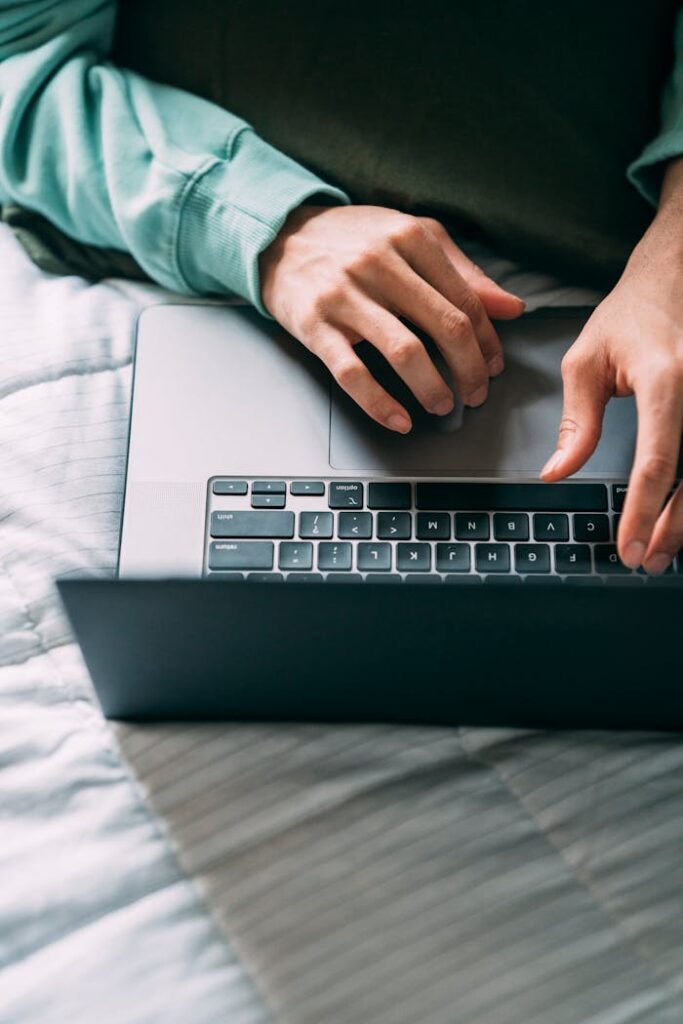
[585, 398]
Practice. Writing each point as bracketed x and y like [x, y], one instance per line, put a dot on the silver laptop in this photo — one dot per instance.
[247, 462]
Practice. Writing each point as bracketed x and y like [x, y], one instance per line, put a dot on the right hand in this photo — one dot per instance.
[337, 275]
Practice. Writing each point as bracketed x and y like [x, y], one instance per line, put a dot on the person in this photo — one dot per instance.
[207, 206]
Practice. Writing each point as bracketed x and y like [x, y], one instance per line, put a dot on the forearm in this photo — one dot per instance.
[114, 160]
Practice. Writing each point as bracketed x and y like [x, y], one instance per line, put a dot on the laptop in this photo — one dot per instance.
[283, 557]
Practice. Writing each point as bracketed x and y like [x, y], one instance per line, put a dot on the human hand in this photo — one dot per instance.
[337, 275]
[633, 344]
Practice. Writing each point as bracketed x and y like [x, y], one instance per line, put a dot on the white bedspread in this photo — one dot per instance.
[97, 922]
[374, 875]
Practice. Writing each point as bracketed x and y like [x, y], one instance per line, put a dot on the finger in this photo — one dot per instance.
[585, 398]
[448, 326]
[428, 259]
[335, 349]
[405, 352]
[667, 537]
[660, 420]
[498, 301]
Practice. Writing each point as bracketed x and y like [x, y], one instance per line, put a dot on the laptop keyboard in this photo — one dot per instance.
[422, 532]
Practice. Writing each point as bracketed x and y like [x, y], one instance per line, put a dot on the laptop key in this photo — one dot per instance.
[607, 560]
[618, 496]
[551, 527]
[374, 557]
[230, 487]
[492, 557]
[513, 526]
[316, 524]
[422, 577]
[508, 497]
[413, 557]
[265, 577]
[268, 500]
[304, 577]
[453, 557]
[572, 558]
[269, 487]
[433, 526]
[316, 488]
[241, 555]
[346, 494]
[389, 496]
[394, 525]
[532, 558]
[354, 525]
[334, 556]
[344, 577]
[594, 528]
[384, 577]
[472, 526]
[296, 555]
[252, 524]
[467, 579]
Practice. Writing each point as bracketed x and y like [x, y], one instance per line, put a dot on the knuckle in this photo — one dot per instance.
[433, 225]
[404, 351]
[656, 468]
[348, 373]
[365, 260]
[454, 322]
[472, 306]
[660, 368]
[409, 230]
[572, 363]
[434, 396]
[471, 384]
[568, 426]
[378, 409]
[318, 310]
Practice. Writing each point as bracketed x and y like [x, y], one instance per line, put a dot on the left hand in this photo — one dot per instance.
[633, 344]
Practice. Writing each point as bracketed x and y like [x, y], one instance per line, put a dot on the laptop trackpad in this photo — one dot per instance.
[513, 433]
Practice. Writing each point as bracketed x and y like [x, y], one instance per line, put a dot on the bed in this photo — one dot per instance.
[299, 874]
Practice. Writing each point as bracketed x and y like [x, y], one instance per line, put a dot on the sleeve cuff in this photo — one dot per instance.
[234, 210]
[647, 172]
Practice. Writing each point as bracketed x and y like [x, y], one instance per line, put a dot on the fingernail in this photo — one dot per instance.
[633, 554]
[443, 408]
[478, 396]
[400, 423]
[658, 564]
[496, 366]
[552, 463]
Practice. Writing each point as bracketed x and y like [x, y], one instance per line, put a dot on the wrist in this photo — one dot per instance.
[660, 250]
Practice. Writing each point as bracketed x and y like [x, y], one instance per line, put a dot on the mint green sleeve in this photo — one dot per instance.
[647, 171]
[112, 159]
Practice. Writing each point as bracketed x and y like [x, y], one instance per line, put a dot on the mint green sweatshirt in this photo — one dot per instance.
[190, 190]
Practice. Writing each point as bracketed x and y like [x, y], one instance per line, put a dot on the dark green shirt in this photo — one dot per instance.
[514, 119]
